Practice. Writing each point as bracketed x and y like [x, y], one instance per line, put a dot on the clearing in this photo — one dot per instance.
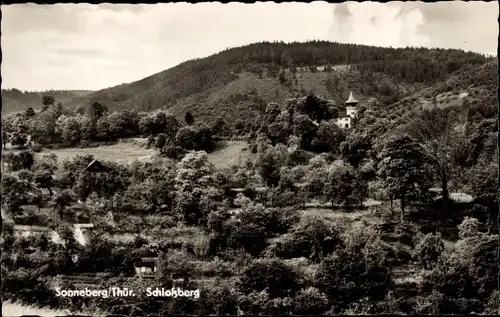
[122, 152]
[232, 153]
[126, 151]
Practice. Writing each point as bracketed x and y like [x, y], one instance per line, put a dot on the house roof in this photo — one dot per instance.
[351, 99]
[95, 165]
[146, 261]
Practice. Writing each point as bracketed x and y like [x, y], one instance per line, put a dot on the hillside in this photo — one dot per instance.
[239, 82]
[470, 87]
[14, 100]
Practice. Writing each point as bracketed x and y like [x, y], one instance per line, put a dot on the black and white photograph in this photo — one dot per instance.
[250, 159]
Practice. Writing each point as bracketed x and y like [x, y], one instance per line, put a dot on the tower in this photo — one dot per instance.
[351, 104]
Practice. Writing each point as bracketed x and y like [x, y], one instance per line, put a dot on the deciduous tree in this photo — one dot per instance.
[405, 169]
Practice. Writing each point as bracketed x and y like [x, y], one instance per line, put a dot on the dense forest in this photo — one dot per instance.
[318, 220]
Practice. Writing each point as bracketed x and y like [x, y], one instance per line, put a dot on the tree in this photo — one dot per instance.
[328, 137]
[429, 249]
[355, 148]
[220, 127]
[405, 170]
[42, 127]
[48, 100]
[62, 200]
[339, 184]
[18, 139]
[360, 187]
[272, 275]
[310, 301]
[272, 111]
[435, 130]
[305, 129]
[71, 132]
[282, 77]
[97, 110]
[188, 117]
[316, 108]
[483, 182]
[194, 180]
[29, 113]
[270, 162]
[43, 179]
[312, 239]
[348, 276]
[14, 192]
[21, 160]
[160, 141]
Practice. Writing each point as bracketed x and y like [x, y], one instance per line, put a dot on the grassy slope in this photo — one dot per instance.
[478, 85]
[231, 154]
[121, 152]
[15, 101]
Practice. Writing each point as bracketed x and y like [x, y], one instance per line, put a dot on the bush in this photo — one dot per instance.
[427, 304]
[310, 301]
[336, 278]
[312, 239]
[37, 148]
[492, 307]
[451, 277]
[251, 237]
[429, 250]
[469, 228]
[218, 300]
[272, 275]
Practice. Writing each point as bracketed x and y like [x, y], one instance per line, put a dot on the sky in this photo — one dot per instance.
[92, 47]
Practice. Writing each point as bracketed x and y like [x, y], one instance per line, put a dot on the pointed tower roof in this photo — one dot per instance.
[351, 99]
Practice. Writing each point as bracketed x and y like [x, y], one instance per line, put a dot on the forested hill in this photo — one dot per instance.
[14, 100]
[239, 82]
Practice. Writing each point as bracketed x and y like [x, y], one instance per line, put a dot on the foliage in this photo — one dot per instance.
[429, 249]
[372, 278]
[404, 169]
[310, 301]
[339, 184]
[270, 162]
[274, 276]
[312, 239]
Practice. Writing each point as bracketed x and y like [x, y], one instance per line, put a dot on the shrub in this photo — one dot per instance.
[427, 304]
[492, 307]
[37, 148]
[251, 237]
[348, 276]
[468, 228]
[312, 239]
[429, 250]
[272, 275]
[310, 301]
[218, 300]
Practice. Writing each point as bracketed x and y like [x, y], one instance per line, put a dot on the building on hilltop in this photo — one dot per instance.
[346, 118]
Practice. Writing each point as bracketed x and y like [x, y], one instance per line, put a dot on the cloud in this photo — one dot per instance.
[83, 46]
[342, 22]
